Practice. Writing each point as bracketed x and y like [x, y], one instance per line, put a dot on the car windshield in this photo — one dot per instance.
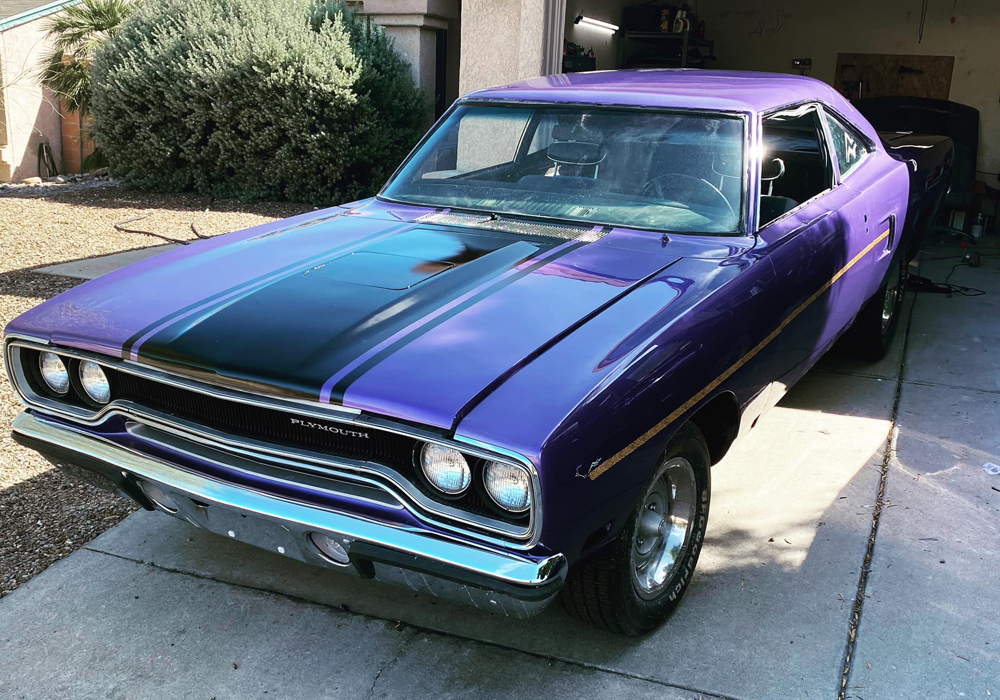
[640, 169]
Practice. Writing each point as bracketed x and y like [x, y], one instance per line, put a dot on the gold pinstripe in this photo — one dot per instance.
[690, 403]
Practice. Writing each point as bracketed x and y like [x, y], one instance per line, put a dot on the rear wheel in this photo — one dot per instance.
[875, 327]
[634, 583]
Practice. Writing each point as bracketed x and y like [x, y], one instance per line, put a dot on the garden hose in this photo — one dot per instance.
[46, 162]
[120, 226]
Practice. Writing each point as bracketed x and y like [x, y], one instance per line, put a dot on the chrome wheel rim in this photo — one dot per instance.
[664, 528]
[893, 293]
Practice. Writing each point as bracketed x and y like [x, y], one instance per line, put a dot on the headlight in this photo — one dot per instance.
[94, 382]
[509, 486]
[54, 372]
[445, 468]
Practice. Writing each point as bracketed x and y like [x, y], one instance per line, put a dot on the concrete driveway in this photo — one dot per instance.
[156, 608]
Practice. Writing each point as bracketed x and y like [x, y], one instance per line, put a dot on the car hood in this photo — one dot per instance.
[398, 312]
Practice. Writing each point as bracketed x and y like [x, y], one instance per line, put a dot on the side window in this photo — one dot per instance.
[795, 165]
[849, 149]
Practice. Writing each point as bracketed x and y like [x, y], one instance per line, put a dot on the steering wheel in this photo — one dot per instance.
[686, 189]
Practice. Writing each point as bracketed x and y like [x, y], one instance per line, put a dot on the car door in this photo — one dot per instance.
[813, 230]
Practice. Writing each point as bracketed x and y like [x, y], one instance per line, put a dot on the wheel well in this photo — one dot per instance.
[719, 421]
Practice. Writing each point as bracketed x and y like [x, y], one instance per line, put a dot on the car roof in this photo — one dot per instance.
[680, 88]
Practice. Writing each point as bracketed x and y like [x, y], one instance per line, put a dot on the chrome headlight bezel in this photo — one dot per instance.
[476, 492]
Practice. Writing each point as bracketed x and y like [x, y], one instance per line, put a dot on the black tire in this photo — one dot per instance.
[604, 592]
[871, 335]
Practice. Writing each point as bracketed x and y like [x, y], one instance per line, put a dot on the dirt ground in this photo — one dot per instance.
[43, 515]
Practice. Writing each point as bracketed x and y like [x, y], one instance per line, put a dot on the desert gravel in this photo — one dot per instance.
[43, 515]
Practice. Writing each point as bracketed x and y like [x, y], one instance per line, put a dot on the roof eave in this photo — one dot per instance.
[37, 13]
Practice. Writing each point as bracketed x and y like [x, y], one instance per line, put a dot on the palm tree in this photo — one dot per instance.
[76, 33]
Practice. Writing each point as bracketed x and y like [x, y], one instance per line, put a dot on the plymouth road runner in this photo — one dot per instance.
[506, 377]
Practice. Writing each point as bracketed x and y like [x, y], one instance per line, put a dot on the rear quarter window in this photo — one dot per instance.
[848, 147]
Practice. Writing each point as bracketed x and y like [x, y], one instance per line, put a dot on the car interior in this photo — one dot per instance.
[685, 162]
[796, 165]
[671, 164]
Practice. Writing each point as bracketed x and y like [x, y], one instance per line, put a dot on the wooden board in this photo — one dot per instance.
[889, 75]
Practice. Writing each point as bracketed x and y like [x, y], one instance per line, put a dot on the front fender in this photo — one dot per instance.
[596, 410]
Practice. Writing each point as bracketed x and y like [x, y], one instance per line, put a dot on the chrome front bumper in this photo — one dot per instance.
[504, 582]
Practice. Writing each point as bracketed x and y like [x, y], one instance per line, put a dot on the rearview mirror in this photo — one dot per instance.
[575, 153]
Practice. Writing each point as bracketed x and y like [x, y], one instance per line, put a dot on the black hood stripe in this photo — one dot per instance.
[339, 389]
[297, 330]
[249, 284]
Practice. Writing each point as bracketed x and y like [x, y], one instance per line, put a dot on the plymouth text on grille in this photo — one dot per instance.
[329, 428]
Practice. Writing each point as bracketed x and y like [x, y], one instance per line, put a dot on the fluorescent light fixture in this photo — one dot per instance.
[596, 24]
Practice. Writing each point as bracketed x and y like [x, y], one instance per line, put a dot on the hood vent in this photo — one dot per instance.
[526, 228]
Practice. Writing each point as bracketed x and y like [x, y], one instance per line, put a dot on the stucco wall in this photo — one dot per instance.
[413, 26]
[417, 44]
[491, 40]
[503, 41]
[32, 113]
[768, 34]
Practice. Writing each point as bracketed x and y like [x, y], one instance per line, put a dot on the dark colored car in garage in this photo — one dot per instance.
[509, 373]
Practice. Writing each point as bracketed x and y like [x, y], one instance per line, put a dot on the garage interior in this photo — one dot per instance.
[939, 50]
[853, 545]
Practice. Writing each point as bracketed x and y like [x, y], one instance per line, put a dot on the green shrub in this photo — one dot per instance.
[386, 83]
[241, 98]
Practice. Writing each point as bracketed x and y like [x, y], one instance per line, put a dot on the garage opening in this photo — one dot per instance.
[609, 35]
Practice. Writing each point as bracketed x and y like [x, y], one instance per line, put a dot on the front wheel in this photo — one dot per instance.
[634, 584]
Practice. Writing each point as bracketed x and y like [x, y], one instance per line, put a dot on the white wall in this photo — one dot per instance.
[31, 112]
[767, 34]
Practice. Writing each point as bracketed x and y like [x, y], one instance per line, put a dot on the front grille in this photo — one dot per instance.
[265, 424]
[272, 426]
[277, 428]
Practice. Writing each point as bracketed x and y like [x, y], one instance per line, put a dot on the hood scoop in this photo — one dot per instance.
[380, 270]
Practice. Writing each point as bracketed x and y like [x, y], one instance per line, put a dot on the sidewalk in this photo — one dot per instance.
[156, 608]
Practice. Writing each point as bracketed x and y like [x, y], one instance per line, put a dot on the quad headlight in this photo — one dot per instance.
[446, 469]
[94, 382]
[54, 372]
[508, 486]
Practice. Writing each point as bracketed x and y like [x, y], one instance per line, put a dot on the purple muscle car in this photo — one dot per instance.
[508, 375]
